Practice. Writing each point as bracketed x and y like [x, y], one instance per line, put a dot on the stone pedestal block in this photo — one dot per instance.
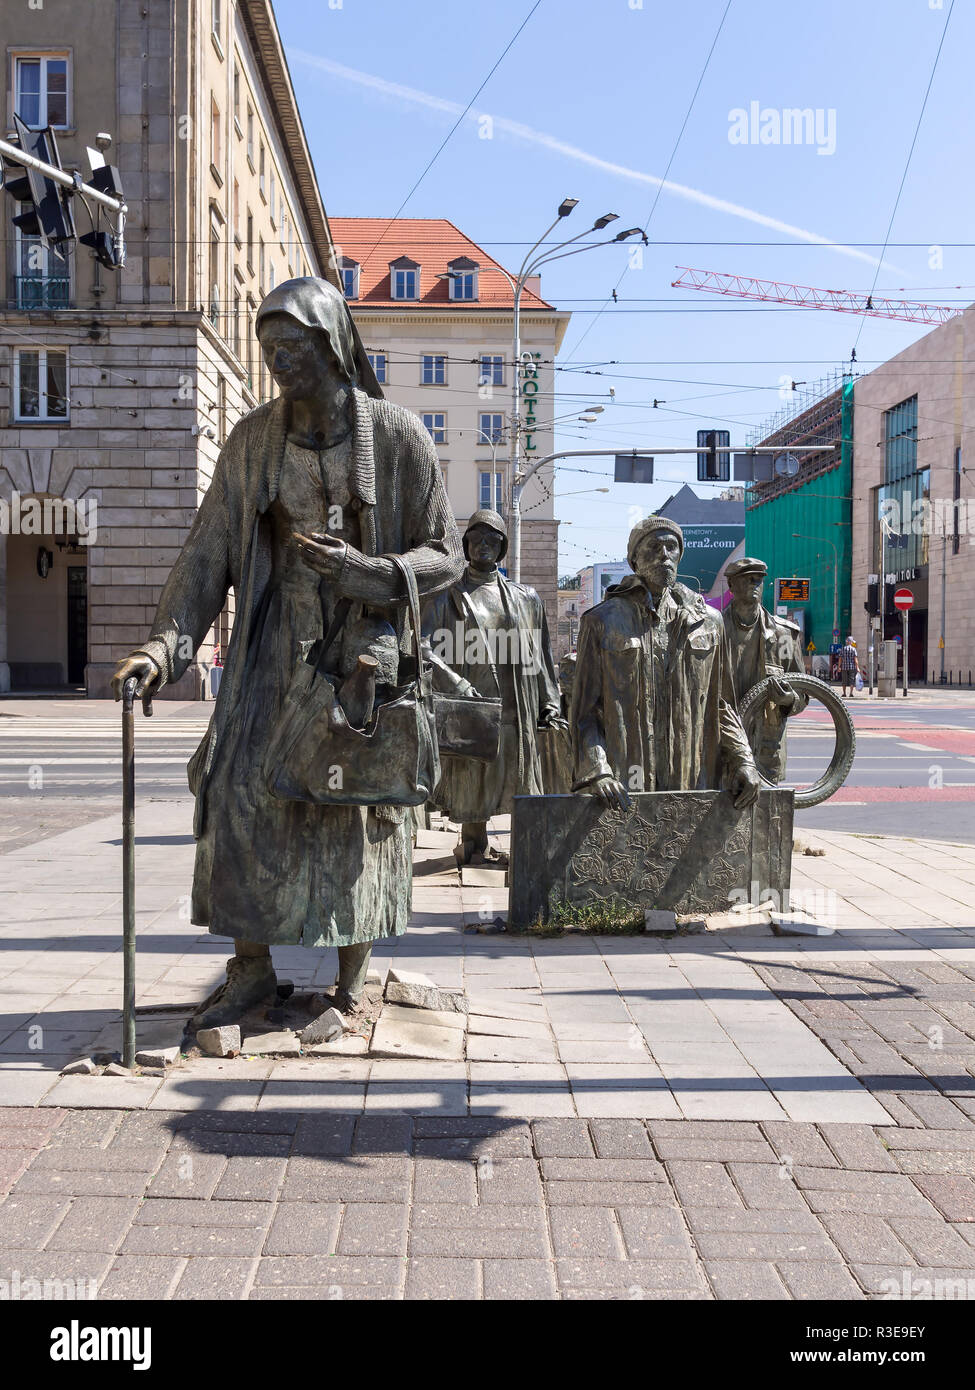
[683, 851]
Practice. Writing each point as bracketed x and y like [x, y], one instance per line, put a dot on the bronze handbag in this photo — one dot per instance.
[315, 754]
[468, 727]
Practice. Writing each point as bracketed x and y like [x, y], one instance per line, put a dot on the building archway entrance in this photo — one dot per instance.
[46, 612]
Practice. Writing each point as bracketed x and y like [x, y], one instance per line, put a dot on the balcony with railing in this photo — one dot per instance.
[40, 292]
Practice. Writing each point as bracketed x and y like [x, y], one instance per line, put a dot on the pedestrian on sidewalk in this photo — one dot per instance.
[850, 666]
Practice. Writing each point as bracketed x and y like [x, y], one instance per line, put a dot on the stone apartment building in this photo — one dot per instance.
[120, 387]
[435, 313]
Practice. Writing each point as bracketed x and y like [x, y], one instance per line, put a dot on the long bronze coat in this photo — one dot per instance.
[777, 652]
[681, 734]
[475, 791]
[270, 870]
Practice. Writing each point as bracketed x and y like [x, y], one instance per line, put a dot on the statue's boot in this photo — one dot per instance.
[250, 980]
[473, 843]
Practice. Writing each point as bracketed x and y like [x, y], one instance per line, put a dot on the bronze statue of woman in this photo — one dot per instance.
[311, 492]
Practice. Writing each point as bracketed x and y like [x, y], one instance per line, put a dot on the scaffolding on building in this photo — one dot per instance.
[814, 414]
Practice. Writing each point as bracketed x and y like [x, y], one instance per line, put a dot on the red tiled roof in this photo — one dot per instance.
[433, 242]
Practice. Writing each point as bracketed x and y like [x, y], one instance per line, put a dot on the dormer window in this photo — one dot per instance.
[350, 277]
[462, 281]
[404, 279]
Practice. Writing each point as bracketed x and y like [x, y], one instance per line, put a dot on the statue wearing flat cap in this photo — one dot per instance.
[763, 644]
[488, 637]
[653, 706]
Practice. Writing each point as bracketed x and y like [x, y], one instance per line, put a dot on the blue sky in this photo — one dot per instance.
[589, 103]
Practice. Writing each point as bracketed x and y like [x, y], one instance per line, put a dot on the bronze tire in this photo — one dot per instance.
[846, 743]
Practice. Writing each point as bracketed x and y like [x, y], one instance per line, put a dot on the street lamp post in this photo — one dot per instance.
[529, 266]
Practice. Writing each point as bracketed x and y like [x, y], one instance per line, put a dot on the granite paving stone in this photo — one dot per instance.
[207, 1277]
[703, 1184]
[187, 1174]
[141, 1276]
[373, 1228]
[585, 1233]
[817, 1279]
[620, 1138]
[866, 1238]
[675, 1276]
[654, 1233]
[337, 1272]
[499, 1216]
[247, 1179]
[531, 1280]
[443, 1279]
[304, 1228]
[746, 1279]
[94, 1223]
[562, 1138]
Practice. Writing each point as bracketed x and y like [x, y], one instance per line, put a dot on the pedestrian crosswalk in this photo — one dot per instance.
[79, 757]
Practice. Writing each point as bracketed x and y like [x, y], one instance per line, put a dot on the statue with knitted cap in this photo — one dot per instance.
[488, 636]
[653, 704]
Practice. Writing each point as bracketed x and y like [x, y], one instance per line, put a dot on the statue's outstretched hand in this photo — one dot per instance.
[782, 694]
[610, 792]
[323, 553]
[142, 668]
[745, 786]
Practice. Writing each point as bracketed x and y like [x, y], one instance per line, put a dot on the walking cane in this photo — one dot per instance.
[128, 866]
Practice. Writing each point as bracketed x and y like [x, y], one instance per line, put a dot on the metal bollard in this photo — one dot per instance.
[128, 866]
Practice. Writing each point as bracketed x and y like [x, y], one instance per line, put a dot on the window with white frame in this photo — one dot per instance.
[492, 369]
[273, 200]
[463, 278]
[41, 90]
[404, 281]
[350, 277]
[434, 370]
[491, 492]
[490, 429]
[43, 278]
[40, 384]
[260, 170]
[377, 361]
[250, 135]
[436, 423]
[215, 18]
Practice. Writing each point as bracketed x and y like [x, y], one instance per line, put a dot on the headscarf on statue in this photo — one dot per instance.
[317, 304]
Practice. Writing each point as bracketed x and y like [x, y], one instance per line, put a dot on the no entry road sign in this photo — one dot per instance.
[903, 600]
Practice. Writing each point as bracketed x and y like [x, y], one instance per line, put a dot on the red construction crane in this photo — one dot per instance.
[805, 297]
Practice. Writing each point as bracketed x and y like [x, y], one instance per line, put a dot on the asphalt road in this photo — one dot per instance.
[914, 772]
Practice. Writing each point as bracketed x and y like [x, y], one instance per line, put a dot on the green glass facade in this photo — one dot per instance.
[820, 513]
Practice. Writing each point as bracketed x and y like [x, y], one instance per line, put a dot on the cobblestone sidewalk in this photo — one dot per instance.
[285, 1206]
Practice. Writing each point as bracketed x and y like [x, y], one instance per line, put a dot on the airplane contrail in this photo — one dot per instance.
[518, 131]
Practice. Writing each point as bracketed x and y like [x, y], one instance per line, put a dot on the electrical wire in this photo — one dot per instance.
[907, 164]
[673, 155]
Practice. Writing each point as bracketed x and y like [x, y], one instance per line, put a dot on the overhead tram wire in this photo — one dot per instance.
[673, 155]
[907, 165]
[443, 144]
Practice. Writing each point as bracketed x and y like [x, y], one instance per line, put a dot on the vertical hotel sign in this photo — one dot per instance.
[529, 397]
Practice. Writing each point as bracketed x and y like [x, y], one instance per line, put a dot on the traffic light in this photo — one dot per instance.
[106, 179]
[715, 465]
[872, 605]
[48, 215]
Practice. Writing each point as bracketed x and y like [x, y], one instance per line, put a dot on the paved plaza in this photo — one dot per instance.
[723, 1115]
